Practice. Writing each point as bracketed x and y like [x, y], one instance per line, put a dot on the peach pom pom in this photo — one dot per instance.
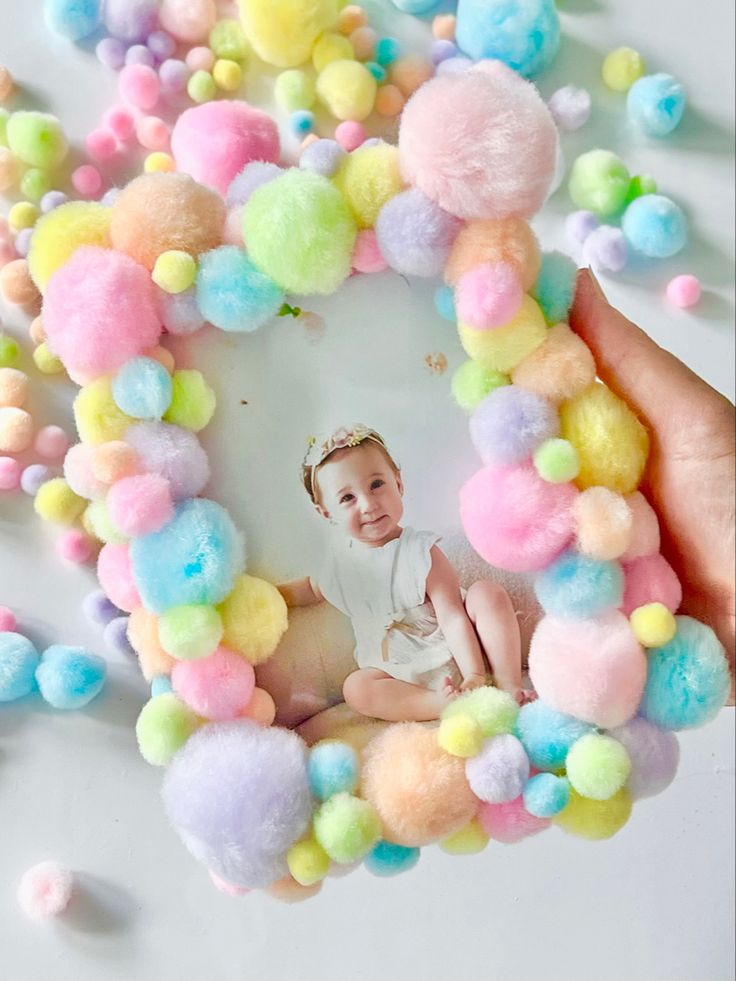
[116, 577]
[16, 429]
[443, 27]
[559, 369]
[112, 461]
[143, 636]
[410, 72]
[217, 687]
[645, 537]
[262, 708]
[650, 579]
[16, 284]
[13, 387]
[389, 100]
[603, 523]
[510, 241]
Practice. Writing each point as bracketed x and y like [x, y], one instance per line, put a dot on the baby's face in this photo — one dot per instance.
[359, 490]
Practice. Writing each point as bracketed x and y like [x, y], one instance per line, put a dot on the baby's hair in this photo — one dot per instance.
[310, 471]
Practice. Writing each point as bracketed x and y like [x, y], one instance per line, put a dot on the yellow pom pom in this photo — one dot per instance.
[22, 215]
[331, 47]
[227, 74]
[368, 178]
[192, 401]
[504, 347]
[283, 32]
[308, 862]
[653, 625]
[98, 518]
[467, 841]
[254, 618]
[46, 362]
[174, 271]
[159, 163]
[98, 418]
[57, 502]
[347, 89]
[595, 819]
[60, 232]
[460, 735]
[612, 444]
[621, 68]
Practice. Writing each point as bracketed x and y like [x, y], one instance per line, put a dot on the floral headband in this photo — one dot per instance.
[317, 452]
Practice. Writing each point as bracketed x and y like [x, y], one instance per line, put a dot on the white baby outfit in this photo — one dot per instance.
[383, 591]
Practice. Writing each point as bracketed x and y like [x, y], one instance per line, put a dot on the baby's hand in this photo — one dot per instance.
[473, 681]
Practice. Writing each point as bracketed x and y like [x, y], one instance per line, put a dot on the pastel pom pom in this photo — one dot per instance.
[595, 820]
[684, 291]
[232, 293]
[554, 288]
[367, 257]
[654, 755]
[510, 424]
[653, 625]
[130, 20]
[503, 348]
[73, 20]
[369, 179]
[525, 36]
[192, 402]
[650, 579]
[188, 633]
[511, 822]
[346, 827]
[499, 772]
[547, 734]
[179, 312]
[254, 174]
[141, 504]
[143, 636]
[308, 862]
[162, 728]
[322, 156]
[255, 617]
[605, 249]
[597, 766]
[70, 677]
[469, 840]
[63, 230]
[655, 226]
[414, 234]
[687, 679]
[332, 769]
[557, 461]
[460, 735]
[188, 20]
[57, 502]
[283, 33]
[621, 68]
[218, 687]
[37, 139]
[74, 546]
[510, 241]
[347, 89]
[142, 388]
[494, 711]
[570, 107]
[603, 523]
[174, 271]
[489, 295]
[599, 182]
[546, 795]
[577, 587]
[471, 383]
[18, 662]
[16, 429]
[655, 104]
[45, 890]
[387, 859]
[172, 452]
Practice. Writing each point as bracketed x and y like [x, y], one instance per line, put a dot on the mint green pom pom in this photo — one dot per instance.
[557, 461]
[471, 383]
[347, 828]
[597, 766]
[555, 286]
[599, 182]
[37, 139]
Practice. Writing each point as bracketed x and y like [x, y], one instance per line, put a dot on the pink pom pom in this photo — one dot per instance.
[645, 538]
[367, 257]
[100, 144]
[7, 253]
[120, 122]
[200, 59]
[350, 135]
[188, 20]
[87, 180]
[489, 295]
[7, 619]
[116, 577]
[10, 473]
[99, 311]
[592, 669]
[217, 687]
[153, 133]
[140, 505]
[510, 822]
[139, 86]
[45, 890]
[232, 233]
[514, 519]
[214, 141]
[51, 442]
[684, 291]
[74, 546]
[496, 151]
[650, 579]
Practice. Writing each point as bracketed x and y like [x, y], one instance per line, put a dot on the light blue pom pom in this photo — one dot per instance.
[192, 560]
[524, 34]
[687, 679]
[546, 795]
[547, 735]
[301, 122]
[387, 859]
[18, 662]
[75, 19]
[323, 157]
[655, 226]
[444, 301]
[555, 286]
[232, 294]
[70, 677]
[415, 6]
[655, 103]
[160, 685]
[576, 587]
[331, 769]
[142, 388]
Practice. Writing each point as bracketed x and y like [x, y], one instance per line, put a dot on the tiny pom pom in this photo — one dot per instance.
[45, 890]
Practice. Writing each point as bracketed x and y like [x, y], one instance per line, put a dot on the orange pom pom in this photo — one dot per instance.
[143, 636]
[508, 240]
[409, 72]
[16, 284]
[351, 18]
[389, 100]
[443, 27]
[261, 708]
[559, 369]
[113, 460]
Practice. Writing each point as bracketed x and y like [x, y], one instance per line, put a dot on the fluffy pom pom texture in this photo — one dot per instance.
[414, 234]
[510, 822]
[525, 36]
[547, 735]
[509, 425]
[654, 754]
[70, 677]
[218, 687]
[232, 293]
[45, 890]
[332, 769]
[500, 770]
[577, 587]
[18, 662]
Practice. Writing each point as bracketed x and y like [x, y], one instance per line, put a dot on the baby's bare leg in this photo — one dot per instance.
[490, 610]
[375, 693]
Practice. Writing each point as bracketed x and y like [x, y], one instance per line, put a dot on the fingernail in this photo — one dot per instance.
[596, 285]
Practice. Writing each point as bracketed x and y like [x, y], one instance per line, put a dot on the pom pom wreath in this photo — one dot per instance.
[547, 735]
[36, 139]
[188, 20]
[142, 388]
[603, 523]
[242, 132]
[570, 107]
[192, 560]
[405, 774]
[179, 312]
[386, 859]
[255, 617]
[13, 387]
[238, 796]
[18, 662]
[612, 444]
[332, 769]
[232, 293]
[158, 213]
[511, 822]
[460, 735]
[653, 625]
[254, 174]
[509, 425]
[621, 68]
[414, 234]
[595, 820]
[554, 287]
[300, 232]
[283, 33]
[346, 827]
[16, 429]
[57, 502]
[592, 669]
[499, 772]
[116, 576]
[193, 401]
[347, 89]
[576, 587]
[650, 579]
[688, 678]
[143, 636]
[525, 36]
[218, 687]
[368, 179]
[684, 291]
[471, 383]
[655, 104]
[494, 711]
[469, 840]
[172, 452]
[45, 890]
[557, 461]
[59, 233]
[323, 157]
[514, 519]
[503, 348]
[70, 677]
[308, 862]
[367, 257]
[489, 295]
[546, 795]
[655, 226]
[605, 249]
[190, 632]
[597, 766]
[87, 323]
[141, 504]
[654, 755]
[472, 172]
[599, 182]
[163, 727]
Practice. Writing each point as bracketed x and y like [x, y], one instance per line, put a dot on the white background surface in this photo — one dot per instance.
[657, 901]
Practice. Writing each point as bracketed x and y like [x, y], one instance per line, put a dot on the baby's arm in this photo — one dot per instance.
[443, 590]
[300, 592]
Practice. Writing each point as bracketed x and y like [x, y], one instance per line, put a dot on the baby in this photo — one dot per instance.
[420, 639]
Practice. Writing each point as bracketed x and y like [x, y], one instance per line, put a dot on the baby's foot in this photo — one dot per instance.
[524, 696]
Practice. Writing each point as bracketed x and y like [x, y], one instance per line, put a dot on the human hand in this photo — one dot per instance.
[691, 474]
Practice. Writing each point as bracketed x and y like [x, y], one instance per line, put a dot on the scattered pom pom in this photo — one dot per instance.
[13, 387]
[546, 795]
[188, 633]
[597, 766]
[654, 755]
[386, 859]
[510, 424]
[605, 249]
[503, 348]
[10, 473]
[595, 820]
[232, 292]
[140, 505]
[511, 822]
[650, 579]
[684, 291]
[45, 890]
[570, 107]
[74, 546]
[599, 182]
[163, 727]
[554, 288]
[621, 68]
[656, 103]
[414, 234]
[97, 608]
[18, 662]
[332, 769]
[142, 388]
[37, 139]
[70, 677]
[499, 772]
[172, 452]
[577, 587]
[115, 636]
[16, 429]
[547, 735]
[654, 226]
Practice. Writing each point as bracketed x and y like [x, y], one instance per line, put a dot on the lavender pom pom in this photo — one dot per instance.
[654, 755]
[510, 423]
[605, 249]
[414, 234]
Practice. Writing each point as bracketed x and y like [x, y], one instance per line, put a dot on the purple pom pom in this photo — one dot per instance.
[130, 20]
[441, 50]
[605, 249]
[98, 608]
[111, 53]
[116, 637]
[174, 453]
[454, 66]
[179, 312]
[322, 156]
[253, 175]
[510, 423]
[578, 226]
[498, 773]
[570, 107]
[654, 754]
[414, 234]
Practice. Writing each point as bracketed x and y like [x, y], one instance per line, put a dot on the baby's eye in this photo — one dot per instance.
[345, 498]
[377, 483]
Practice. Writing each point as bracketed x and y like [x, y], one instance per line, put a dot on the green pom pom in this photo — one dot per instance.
[163, 727]
[597, 766]
[347, 828]
[641, 184]
[308, 862]
[494, 710]
[34, 184]
[190, 632]
[192, 401]
[557, 461]
[294, 90]
[471, 383]
[9, 351]
[98, 518]
[201, 87]
[599, 182]
[37, 139]
[227, 40]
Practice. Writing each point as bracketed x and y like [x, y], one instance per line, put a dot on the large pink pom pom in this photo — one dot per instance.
[509, 823]
[217, 687]
[514, 519]
[116, 577]
[650, 579]
[592, 669]
[489, 295]
[140, 505]
[99, 311]
[482, 144]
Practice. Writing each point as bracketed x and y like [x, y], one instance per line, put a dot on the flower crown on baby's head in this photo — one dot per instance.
[319, 449]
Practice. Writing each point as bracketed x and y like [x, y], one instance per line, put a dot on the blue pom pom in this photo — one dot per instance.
[192, 560]
[388, 50]
[547, 734]
[387, 859]
[655, 103]
[444, 301]
[70, 677]
[232, 294]
[18, 662]
[142, 388]
[576, 587]
[687, 679]
[546, 795]
[555, 286]
[160, 685]
[331, 769]
[415, 6]
[377, 71]
[655, 226]
[323, 157]
[75, 19]
[524, 34]
[301, 122]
